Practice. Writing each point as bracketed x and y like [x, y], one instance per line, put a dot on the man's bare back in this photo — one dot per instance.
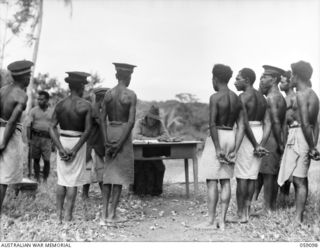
[309, 101]
[117, 102]
[10, 96]
[71, 113]
[228, 106]
[254, 103]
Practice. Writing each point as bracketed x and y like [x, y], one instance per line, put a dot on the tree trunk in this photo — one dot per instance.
[35, 55]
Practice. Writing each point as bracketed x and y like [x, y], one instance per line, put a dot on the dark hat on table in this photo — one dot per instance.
[20, 67]
[124, 68]
[100, 90]
[271, 70]
[154, 112]
[77, 77]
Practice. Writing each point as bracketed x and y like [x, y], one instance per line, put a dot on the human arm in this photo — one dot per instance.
[116, 147]
[85, 135]
[213, 126]
[55, 137]
[247, 128]
[12, 122]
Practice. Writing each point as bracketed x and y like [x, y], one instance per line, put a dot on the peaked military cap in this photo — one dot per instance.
[77, 77]
[273, 70]
[124, 67]
[100, 90]
[20, 67]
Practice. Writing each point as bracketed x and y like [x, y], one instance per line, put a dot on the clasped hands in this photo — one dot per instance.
[112, 149]
[314, 154]
[67, 154]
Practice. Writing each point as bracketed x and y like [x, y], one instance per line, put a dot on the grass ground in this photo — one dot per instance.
[171, 217]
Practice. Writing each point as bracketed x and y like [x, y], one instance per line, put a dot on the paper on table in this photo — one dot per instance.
[148, 141]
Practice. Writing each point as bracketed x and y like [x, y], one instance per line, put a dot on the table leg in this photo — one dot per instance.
[186, 171]
[195, 174]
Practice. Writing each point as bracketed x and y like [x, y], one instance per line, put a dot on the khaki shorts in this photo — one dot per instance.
[41, 146]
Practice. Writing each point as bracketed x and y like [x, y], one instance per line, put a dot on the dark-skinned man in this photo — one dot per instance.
[38, 133]
[13, 100]
[247, 165]
[287, 87]
[95, 144]
[117, 120]
[270, 164]
[73, 115]
[302, 138]
[217, 164]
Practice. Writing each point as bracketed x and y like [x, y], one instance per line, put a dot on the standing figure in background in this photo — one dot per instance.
[270, 164]
[148, 175]
[13, 101]
[302, 138]
[248, 160]
[287, 87]
[73, 115]
[95, 145]
[217, 161]
[38, 135]
[117, 119]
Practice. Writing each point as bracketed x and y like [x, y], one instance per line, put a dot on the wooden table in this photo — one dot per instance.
[144, 150]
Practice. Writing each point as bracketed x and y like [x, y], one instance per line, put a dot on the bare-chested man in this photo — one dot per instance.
[270, 164]
[302, 138]
[13, 100]
[248, 161]
[287, 87]
[217, 162]
[118, 116]
[73, 115]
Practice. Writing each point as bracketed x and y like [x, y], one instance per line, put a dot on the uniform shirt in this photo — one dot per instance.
[40, 119]
[142, 131]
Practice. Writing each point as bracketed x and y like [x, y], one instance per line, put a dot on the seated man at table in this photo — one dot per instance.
[148, 175]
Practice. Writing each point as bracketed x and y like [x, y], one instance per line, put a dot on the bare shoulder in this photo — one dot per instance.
[83, 104]
[108, 96]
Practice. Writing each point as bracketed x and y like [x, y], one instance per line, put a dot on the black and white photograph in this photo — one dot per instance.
[159, 121]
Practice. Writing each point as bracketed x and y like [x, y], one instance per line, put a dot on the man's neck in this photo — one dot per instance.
[45, 107]
[301, 86]
[289, 92]
[20, 85]
[223, 87]
[74, 94]
[248, 88]
[273, 89]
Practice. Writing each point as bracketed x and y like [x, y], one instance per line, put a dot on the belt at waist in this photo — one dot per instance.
[224, 128]
[67, 135]
[40, 133]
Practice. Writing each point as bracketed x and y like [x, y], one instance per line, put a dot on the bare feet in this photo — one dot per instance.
[207, 225]
[116, 219]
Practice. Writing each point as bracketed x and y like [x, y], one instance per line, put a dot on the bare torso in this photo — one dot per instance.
[71, 113]
[310, 99]
[10, 96]
[255, 104]
[118, 101]
[277, 105]
[290, 102]
[228, 107]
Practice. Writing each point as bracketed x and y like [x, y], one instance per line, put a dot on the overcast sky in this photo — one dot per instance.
[174, 43]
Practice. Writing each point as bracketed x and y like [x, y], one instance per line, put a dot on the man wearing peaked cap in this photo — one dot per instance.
[119, 108]
[74, 116]
[302, 138]
[270, 164]
[95, 145]
[14, 98]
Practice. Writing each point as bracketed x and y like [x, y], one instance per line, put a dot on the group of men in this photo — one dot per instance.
[84, 149]
[261, 138]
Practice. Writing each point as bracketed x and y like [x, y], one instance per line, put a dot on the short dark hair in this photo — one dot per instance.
[248, 73]
[287, 74]
[44, 93]
[302, 69]
[222, 72]
[75, 86]
[123, 75]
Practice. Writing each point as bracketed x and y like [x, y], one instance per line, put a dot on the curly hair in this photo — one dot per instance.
[248, 73]
[222, 72]
[302, 69]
